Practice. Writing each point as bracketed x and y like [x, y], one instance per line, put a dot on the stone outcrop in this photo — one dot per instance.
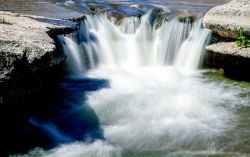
[28, 36]
[226, 18]
[235, 61]
[224, 53]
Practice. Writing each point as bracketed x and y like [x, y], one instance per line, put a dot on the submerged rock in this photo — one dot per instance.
[29, 37]
[226, 18]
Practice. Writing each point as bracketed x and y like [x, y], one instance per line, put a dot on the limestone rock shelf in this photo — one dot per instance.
[229, 48]
[28, 36]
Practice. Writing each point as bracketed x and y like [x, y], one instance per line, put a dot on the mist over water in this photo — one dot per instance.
[157, 103]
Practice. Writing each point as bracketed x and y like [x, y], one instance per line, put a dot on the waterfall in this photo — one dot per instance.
[172, 34]
[72, 50]
[135, 42]
[129, 25]
[191, 52]
[81, 50]
[154, 104]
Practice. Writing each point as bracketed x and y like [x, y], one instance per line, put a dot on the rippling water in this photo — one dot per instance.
[125, 5]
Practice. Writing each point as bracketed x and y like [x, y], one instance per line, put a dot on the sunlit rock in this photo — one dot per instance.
[226, 18]
[29, 37]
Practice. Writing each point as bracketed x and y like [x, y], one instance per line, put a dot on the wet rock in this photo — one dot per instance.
[226, 18]
[29, 34]
[124, 11]
[186, 17]
[94, 8]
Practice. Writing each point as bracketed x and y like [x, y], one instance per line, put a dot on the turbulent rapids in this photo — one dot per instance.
[157, 103]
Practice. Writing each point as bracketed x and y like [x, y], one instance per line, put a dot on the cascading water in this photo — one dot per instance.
[172, 34]
[191, 53]
[72, 50]
[151, 106]
[133, 44]
[146, 46]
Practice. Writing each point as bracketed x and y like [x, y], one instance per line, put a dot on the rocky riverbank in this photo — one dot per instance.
[29, 55]
[224, 20]
[31, 63]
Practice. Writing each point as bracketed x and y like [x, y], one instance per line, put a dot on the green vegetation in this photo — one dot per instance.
[3, 21]
[242, 39]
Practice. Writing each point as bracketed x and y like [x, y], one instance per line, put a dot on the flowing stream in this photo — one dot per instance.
[157, 102]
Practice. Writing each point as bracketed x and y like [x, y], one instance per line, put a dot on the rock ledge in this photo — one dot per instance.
[229, 48]
[28, 36]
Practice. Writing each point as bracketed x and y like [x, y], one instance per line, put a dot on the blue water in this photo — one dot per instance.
[74, 119]
[54, 116]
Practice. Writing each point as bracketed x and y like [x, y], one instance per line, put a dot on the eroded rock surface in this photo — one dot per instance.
[27, 36]
[226, 18]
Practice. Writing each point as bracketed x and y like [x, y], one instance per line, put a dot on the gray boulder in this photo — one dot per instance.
[226, 18]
